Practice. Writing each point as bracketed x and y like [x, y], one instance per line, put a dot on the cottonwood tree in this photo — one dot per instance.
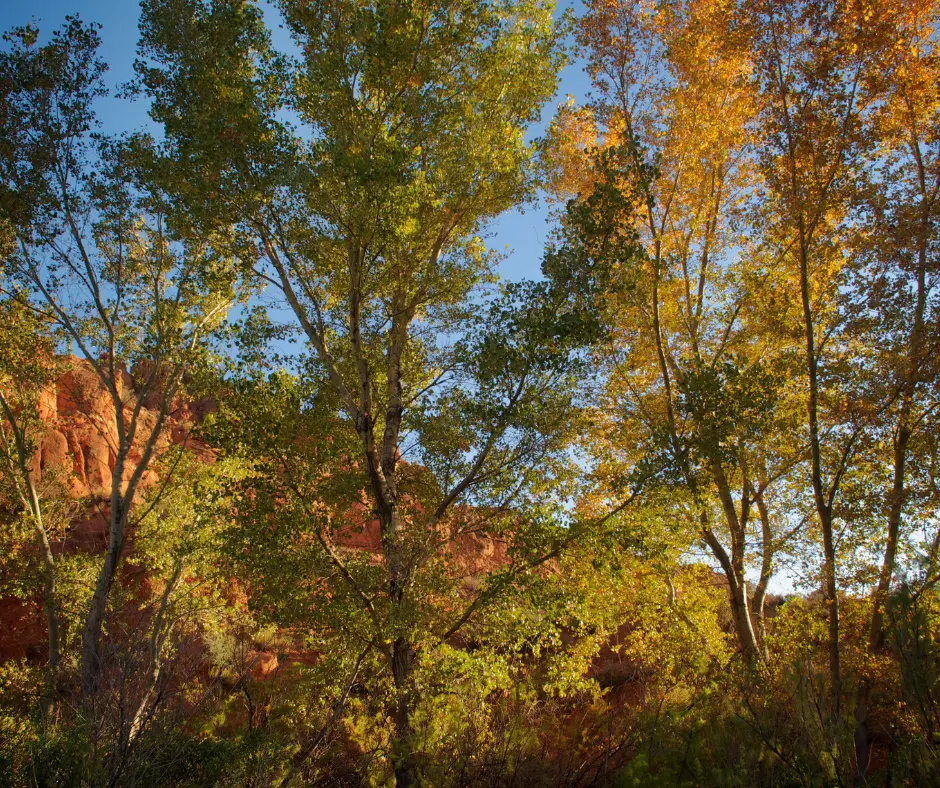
[27, 371]
[359, 168]
[98, 260]
[693, 380]
[811, 58]
[893, 301]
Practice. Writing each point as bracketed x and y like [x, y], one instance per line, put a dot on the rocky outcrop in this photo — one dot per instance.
[76, 453]
[81, 438]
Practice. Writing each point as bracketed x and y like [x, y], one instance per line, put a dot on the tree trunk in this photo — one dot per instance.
[760, 590]
[52, 615]
[90, 669]
[823, 507]
[737, 595]
[740, 608]
[402, 655]
[405, 766]
[876, 628]
[733, 567]
[832, 600]
[122, 498]
[49, 597]
[384, 494]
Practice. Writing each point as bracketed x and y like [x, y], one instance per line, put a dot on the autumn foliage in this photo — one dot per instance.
[297, 490]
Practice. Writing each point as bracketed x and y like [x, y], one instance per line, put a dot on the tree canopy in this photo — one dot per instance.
[297, 489]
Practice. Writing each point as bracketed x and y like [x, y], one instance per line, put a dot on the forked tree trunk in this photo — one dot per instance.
[737, 595]
[733, 566]
[122, 497]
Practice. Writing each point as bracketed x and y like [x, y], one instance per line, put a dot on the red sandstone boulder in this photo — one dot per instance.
[263, 664]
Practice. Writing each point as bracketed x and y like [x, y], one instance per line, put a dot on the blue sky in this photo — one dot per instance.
[523, 232]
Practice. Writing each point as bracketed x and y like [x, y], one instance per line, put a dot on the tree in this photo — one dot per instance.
[99, 259]
[809, 72]
[27, 368]
[893, 299]
[692, 369]
[363, 218]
